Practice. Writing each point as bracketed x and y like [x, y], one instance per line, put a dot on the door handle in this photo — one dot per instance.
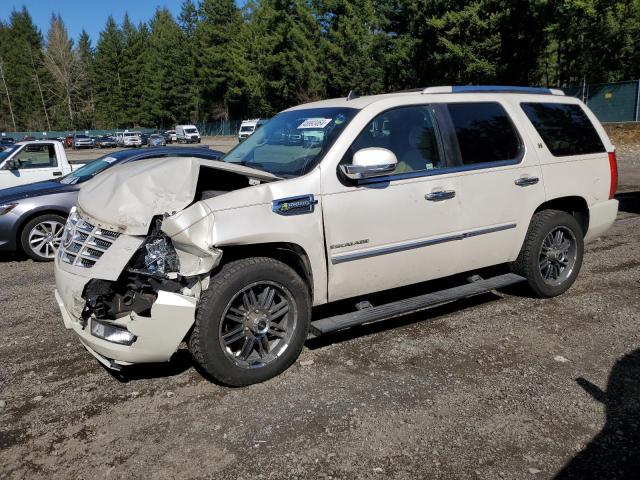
[526, 181]
[440, 195]
[57, 174]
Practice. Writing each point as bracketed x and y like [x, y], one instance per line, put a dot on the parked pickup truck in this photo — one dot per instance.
[231, 256]
[33, 161]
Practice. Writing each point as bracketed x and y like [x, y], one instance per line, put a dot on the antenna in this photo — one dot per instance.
[352, 95]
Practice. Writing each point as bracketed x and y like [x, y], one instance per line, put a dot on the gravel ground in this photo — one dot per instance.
[500, 386]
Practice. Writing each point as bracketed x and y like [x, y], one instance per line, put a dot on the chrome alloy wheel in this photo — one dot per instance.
[557, 256]
[45, 238]
[258, 324]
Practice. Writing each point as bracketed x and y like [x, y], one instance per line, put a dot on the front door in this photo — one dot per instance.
[393, 231]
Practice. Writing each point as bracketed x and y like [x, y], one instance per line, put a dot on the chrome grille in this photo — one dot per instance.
[83, 244]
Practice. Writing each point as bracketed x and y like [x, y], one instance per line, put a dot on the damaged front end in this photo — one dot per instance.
[150, 305]
[136, 301]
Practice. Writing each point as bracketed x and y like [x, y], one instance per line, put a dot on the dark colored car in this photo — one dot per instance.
[157, 140]
[28, 138]
[144, 138]
[105, 141]
[6, 141]
[32, 217]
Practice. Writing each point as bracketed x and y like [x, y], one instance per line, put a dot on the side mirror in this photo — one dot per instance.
[370, 162]
[11, 165]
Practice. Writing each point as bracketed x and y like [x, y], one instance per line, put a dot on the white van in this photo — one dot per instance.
[247, 127]
[187, 134]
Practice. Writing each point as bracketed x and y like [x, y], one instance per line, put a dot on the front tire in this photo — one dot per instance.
[252, 321]
[41, 237]
[552, 253]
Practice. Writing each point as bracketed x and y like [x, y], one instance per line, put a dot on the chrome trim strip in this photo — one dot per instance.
[358, 255]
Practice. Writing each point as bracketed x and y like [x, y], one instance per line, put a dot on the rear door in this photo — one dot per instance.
[36, 162]
[499, 179]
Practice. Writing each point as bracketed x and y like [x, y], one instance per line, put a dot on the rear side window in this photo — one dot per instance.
[564, 128]
[484, 132]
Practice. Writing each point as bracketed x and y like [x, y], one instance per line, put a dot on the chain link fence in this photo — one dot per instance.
[217, 128]
[610, 102]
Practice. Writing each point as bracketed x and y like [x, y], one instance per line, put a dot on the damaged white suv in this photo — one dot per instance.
[394, 190]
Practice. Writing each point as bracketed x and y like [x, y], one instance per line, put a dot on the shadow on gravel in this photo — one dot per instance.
[179, 363]
[12, 257]
[630, 203]
[615, 452]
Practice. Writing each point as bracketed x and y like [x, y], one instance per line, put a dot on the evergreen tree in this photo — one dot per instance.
[22, 44]
[108, 85]
[289, 61]
[352, 47]
[167, 98]
[221, 66]
[85, 100]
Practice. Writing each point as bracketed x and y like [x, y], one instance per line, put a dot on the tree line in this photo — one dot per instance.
[218, 61]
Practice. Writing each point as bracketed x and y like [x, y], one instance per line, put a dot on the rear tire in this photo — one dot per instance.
[551, 256]
[252, 321]
[41, 236]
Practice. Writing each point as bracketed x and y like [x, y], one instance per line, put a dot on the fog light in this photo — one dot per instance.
[111, 333]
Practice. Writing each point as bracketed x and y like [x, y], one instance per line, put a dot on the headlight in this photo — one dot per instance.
[7, 207]
[161, 257]
[111, 333]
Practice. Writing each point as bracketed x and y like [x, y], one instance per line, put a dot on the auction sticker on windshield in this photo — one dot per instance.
[109, 159]
[314, 123]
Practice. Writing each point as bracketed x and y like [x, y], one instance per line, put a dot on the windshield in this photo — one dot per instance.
[7, 152]
[282, 146]
[190, 130]
[246, 129]
[131, 134]
[81, 136]
[89, 170]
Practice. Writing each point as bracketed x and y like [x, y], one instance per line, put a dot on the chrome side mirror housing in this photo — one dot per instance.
[370, 162]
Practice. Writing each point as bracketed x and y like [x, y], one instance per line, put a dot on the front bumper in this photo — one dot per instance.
[601, 218]
[158, 336]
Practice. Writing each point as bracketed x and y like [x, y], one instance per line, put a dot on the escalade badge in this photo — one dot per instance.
[294, 205]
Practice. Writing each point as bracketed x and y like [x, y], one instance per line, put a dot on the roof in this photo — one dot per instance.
[361, 102]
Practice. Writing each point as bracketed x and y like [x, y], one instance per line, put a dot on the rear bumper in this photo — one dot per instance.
[158, 336]
[601, 217]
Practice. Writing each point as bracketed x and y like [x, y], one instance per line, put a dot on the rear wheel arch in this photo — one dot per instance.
[573, 205]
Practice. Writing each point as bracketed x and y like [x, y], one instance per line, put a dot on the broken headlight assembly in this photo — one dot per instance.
[157, 256]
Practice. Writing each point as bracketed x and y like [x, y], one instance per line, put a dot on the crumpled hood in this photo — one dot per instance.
[128, 196]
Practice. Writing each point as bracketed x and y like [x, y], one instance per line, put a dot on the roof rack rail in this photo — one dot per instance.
[493, 89]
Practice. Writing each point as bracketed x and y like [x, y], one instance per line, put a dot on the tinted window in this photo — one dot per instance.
[484, 132]
[565, 129]
[410, 133]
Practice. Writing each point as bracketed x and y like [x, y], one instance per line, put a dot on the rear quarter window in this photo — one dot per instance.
[565, 128]
[484, 132]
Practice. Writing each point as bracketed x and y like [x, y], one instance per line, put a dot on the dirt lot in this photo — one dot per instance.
[501, 386]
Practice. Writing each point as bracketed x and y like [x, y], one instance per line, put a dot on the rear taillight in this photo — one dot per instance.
[613, 167]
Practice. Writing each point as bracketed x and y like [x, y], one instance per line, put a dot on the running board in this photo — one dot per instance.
[411, 305]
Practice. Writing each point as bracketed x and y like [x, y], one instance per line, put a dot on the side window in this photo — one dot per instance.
[484, 132]
[564, 128]
[410, 133]
[37, 156]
